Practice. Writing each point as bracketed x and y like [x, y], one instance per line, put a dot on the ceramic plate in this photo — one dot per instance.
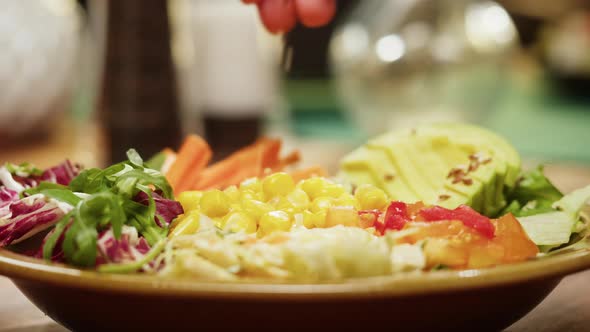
[486, 299]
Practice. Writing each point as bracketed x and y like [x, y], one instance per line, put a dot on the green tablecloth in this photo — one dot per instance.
[541, 123]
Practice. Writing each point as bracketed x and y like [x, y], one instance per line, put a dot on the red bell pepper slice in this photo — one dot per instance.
[463, 213]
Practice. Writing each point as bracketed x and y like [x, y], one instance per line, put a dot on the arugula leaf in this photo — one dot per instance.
[79, 243]
[51, 241]
[90, 181]
[143, 219]
[533, 194]
[23, 169]
[110, 202]
[134, 157]
[55, 191]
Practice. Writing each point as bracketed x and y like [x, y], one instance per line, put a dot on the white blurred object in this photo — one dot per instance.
[399, 63]
[39, 42]
[233, 74]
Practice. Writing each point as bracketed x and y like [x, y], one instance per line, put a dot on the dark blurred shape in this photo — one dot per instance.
[226, 135]
[139, 106]
[558, 36]
[306, 50]
[565, 46]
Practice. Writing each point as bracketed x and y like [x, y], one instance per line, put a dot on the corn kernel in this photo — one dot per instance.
[283, 204]
[247, 194]
[274, 221]
[255, 208]
[233, 193]
[371, 197]
[251, 184]
[313, 186]
[298, 199]
[189, 224]
[321, 204]
[331, 190]
[190, 200]
[347, 200]
[319, 219]
[277, 184]
[215, 203]
[308, 219]
[239, 222]
[312, 220]
[342, 215]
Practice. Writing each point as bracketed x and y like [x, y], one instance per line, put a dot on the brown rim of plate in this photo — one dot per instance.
[17, 266]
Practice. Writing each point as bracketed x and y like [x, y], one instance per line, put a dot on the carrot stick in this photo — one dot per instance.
[192, 157]
[290, 159]
[247, 162]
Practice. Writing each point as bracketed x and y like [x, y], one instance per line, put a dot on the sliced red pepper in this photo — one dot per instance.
[463, 213]
[395, 218]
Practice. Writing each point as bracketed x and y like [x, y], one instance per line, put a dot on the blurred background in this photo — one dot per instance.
[87, 80]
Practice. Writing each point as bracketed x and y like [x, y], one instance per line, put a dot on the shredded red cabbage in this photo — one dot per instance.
[27, 217]
[166, 209]
[62, 174]
[7, 196]
[129, 248]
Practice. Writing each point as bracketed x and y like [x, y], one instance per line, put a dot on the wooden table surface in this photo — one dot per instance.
[566, 309]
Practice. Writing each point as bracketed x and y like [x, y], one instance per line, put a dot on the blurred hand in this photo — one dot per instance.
[280, 16]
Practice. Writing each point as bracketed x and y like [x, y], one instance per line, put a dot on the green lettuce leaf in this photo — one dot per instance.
[532, 195]
[552, 229]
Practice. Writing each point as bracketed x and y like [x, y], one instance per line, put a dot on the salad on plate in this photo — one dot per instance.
[439, 196]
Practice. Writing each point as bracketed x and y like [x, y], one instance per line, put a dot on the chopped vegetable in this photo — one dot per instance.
[192, 158]
[463, 213]
[26, 217]
[554, 228]
[123, 198]
[248, 162]
[187, 170]
[533, 194]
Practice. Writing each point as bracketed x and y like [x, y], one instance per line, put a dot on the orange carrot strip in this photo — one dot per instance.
[290, 159]
[192, 157]
[242, 164]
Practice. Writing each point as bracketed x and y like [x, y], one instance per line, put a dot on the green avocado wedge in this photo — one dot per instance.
[442, 164]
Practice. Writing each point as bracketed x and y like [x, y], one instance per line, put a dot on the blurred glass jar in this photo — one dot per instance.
[399, 63]
[39, 47]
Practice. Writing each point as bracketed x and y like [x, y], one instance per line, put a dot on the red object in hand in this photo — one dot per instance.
[279, 16]
[315, 13]
[463, 213]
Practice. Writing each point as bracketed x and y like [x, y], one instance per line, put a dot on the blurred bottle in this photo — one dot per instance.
[399, 63]
[235, 82]
[139, 106]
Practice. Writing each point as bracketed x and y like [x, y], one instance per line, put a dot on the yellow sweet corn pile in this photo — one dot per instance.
[277, 203]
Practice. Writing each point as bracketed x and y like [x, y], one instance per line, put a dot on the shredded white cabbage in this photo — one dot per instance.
[9, 182]
[303, 254]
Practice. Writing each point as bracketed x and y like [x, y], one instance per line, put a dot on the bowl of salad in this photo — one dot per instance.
[434, 227]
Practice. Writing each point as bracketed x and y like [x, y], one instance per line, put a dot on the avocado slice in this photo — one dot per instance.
[442, 164]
